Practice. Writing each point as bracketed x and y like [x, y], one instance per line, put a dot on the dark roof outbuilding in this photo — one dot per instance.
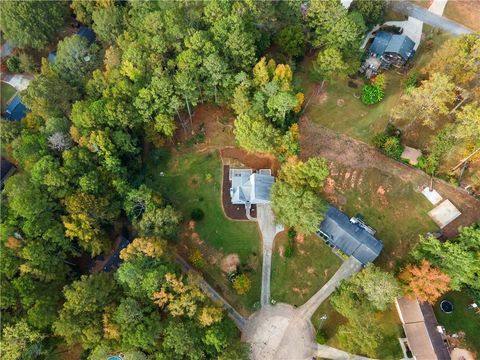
[87, 33]
[351, 238]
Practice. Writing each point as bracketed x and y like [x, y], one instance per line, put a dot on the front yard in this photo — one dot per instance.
[295, 279]
[192, 180]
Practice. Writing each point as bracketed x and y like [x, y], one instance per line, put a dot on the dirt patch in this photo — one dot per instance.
[251, 160]
[466, 12]
[316, 140]
[281, 251]
[310, 270]
[215, 122]
[381, 191]
[300, 238]
[229, 263]
[340, 102]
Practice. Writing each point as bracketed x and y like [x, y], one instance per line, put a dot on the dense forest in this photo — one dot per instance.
[95, 111]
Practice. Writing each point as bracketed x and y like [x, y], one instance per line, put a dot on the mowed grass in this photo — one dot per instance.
[294, 280]
[193, 181]
[461, 319]
[7, 91]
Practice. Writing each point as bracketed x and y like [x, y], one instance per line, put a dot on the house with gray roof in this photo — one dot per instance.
[349, 235]
[392, 49]
[250, 187]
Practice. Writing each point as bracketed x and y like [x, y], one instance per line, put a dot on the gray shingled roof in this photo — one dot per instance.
[386, 42]
[350, 238]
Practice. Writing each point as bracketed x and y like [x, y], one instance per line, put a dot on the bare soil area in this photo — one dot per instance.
[251, 160]
[316, 140]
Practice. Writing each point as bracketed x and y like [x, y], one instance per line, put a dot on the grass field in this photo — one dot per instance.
[461, 319]
[294, 280]
[7, 92]
[193, 180]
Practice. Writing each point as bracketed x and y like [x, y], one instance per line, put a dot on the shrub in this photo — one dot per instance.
[197, 214]
[321, 338]
[380, 81]
[393, 147]
[13, 64]
[411, 82]
[197, 259]
[242, 284]
[289, 247]
[371, 94]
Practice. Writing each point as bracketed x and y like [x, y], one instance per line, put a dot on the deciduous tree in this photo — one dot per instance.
[425, 282]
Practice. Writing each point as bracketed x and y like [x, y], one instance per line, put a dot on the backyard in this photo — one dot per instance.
[7, 92]
[191, 181]
[461, 319]
[338, 106]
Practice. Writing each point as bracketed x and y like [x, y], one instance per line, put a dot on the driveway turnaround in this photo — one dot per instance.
[268, 228]
[282, 332]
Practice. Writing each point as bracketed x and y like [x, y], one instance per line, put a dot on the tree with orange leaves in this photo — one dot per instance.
[425, 282]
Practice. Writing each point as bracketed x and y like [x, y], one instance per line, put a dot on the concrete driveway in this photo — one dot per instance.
[18, 81]
[348, 268]
[268, 228]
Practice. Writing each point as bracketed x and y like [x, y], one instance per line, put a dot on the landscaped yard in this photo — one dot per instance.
[7, 92]
[193, 181]
[294, 280]
[461, 319]
[338, 109]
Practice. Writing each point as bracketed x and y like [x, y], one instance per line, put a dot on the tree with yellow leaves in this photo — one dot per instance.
[151, 246]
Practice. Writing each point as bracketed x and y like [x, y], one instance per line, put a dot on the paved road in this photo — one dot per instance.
[214, 295]
[327, 352]
[430, 18]
[348, 268]
[268, 228]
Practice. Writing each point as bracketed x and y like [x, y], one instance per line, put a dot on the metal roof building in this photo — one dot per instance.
[392, 43]
[352, 236]
[15, 111]
[87, 33]
[250, 188]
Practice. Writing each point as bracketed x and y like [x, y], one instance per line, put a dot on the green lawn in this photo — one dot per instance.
[294, 280]
[461, 319]
[192, 180]
[7, 91]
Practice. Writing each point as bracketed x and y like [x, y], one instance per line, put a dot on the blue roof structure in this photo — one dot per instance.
[352, 238]
[6, 169]
[87, 33]
[15, 111]
[380, 43]
[392, 43]
[52, 56]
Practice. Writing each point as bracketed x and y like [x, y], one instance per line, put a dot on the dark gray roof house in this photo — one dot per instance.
[349, 235]
[392, 49]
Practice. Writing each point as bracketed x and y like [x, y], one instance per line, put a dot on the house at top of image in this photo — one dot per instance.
[248, 187]
[85, 32]
[352, 236]
[386, 50]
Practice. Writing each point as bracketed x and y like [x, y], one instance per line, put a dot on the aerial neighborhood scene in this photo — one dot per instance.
[240, 179]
